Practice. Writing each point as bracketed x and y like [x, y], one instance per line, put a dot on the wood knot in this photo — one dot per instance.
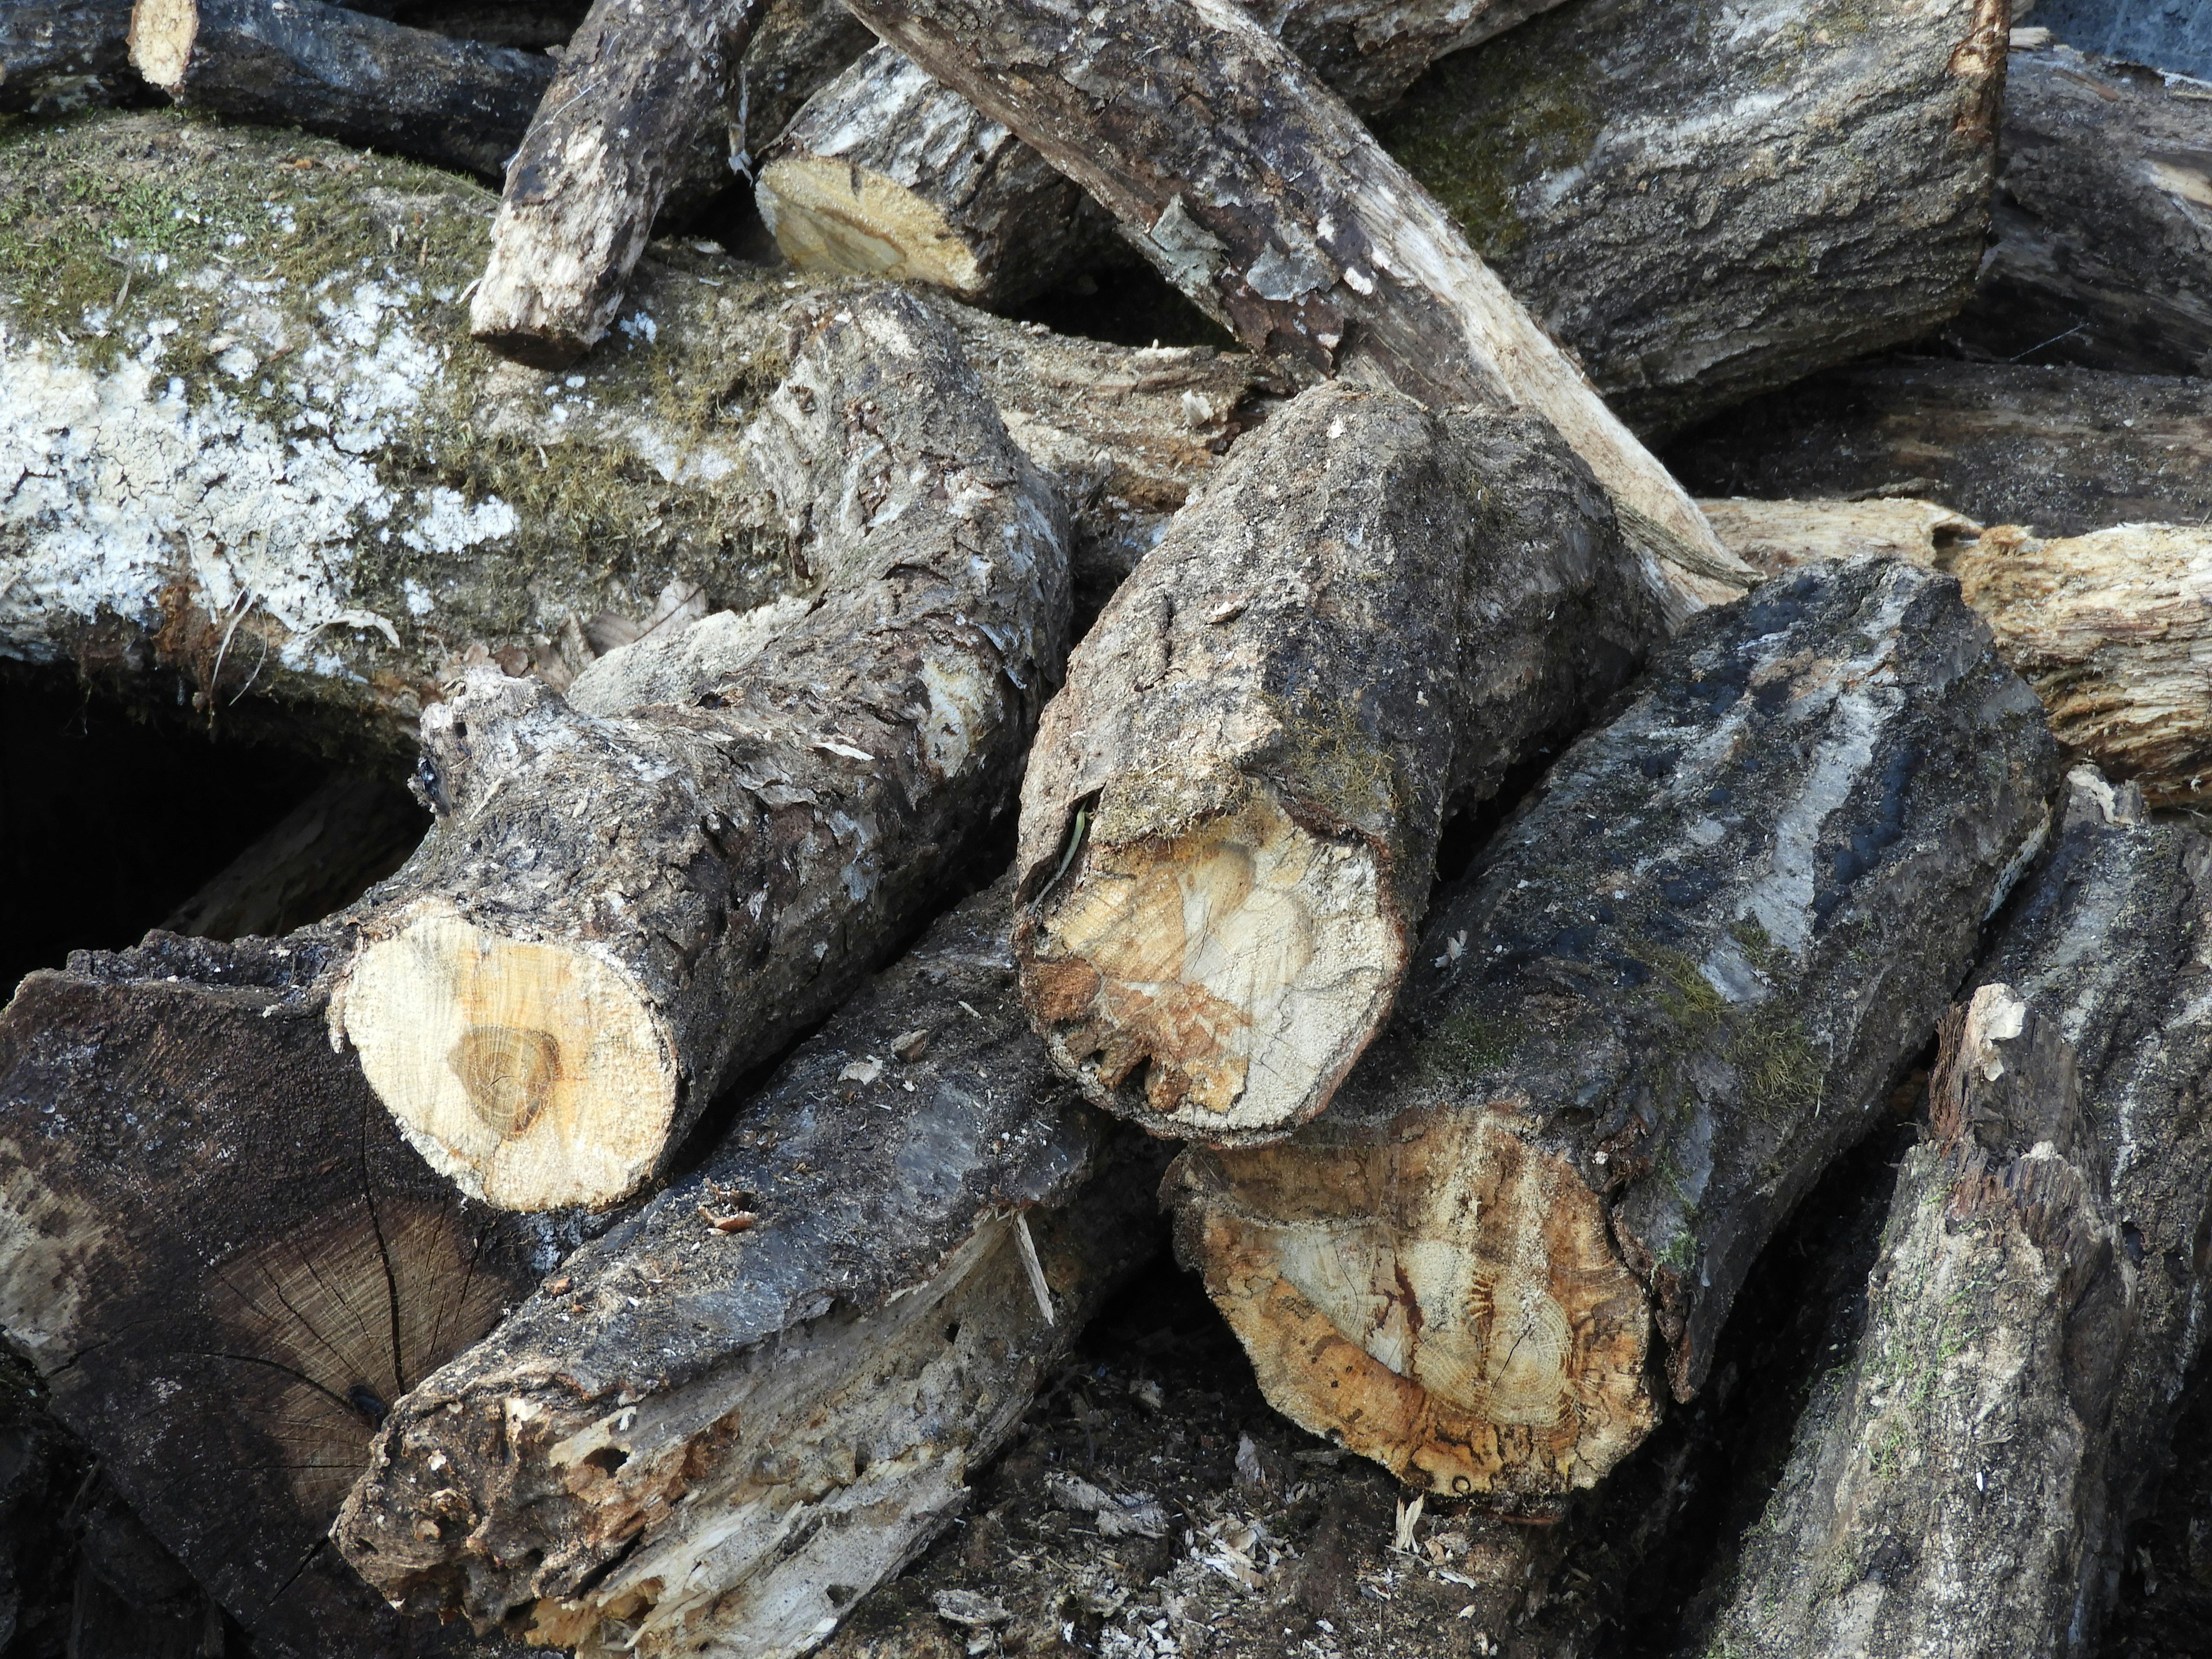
[508, 1073]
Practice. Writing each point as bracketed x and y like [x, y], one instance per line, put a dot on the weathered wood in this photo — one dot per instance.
[2178, 38]
[1252, 187]
[1230, 816]
[699, 1439]
[58, 54]
[227, 1264]
[1678, 985]
[2104, 220]
[643, 83]
[2065, 451]
[362, 79]
[2111, 628]
[798, 48]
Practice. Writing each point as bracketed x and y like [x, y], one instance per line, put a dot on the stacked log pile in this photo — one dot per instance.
[925, 812]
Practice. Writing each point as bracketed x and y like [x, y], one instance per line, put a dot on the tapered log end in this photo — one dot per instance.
[534, 1076]
[524, 323]
[1448, 1303]
[837, 218]
[161, 36]
[1215, 981]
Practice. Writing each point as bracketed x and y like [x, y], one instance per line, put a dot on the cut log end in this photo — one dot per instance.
[534, 1076]
[1450, 1305]
[161, 36]
[834, 217]
[1219, 979]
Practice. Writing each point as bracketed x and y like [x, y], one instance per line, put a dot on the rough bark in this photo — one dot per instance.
[643, 84]
[2104, 220]
[2111, 628]
[1230, 816]
[1678, 985]
[224, 1298]
[697, 1439]
[58, 54]
[801, 47]
[2064, 450]
[1701, 208]
[261, 442]
[1253, 188]
[453, 103]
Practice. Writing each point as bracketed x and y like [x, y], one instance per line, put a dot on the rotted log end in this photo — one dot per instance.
[1449, 1305]
[836, 218]
[521, 313]
[163, 32]
[534, 1076]
[1211, 973]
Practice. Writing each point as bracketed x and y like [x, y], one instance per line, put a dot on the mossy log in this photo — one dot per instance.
[642, 87]
[1253, 188]
[453, 103]
[732, 1416]
[2104, 220]
[1972, 1471]
[1229, 819]
[1676, 986]
[2063, 451]
[2111, 628]
[336, 502]
[61, 54]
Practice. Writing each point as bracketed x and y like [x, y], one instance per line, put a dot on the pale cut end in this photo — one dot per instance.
[1217, 982]
[831, 217]
[517, 318]
[1448, 1303]
[161, 36]
[533, 1076]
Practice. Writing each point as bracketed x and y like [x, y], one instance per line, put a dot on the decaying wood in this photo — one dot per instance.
[227, 1264]
[57, 54]
[722, 1424]
[1255, 191]
[1230, 816]
[454, 103]
[642, 85]
[2104, 220]
[1679, 984]
[2111, 628]
[798, 48]
[1970, 1474]
[2065, 451]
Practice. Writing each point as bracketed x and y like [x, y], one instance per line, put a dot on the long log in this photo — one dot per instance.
[361, 79]
[643, 84]
[2105, 185]
[1677, 985]
[1229, 819]
[1973, 1471]
[734, 1415]
[2064, 450]
[1251, 186]
[59, 54]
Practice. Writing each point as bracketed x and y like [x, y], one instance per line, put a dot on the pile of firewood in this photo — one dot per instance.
[1474, 886]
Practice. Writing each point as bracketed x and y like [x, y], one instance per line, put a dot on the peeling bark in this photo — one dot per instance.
[58, 54]
[699, 1439]
[1677, 985]
[1230, 816]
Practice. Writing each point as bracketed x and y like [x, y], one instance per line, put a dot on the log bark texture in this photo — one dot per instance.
[2104, 220]
[642, 85]
[225, 1297]
[1231, 818]
[798, 48]
[1675, 987]
[2063, 451]
[696, 1440]
[58, 54]
[367, 81]
[1252, 187]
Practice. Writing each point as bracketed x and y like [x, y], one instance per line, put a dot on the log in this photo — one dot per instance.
[2105, 178]
[1673, 989]
[2110, 629]
[1997, 1434]
[732, 1416]
[800, 47]
[1230, 820]
[1252, 187]
[2064, 450]
[365, 80]
[642, 87]
[60, 54]
[2165, 37]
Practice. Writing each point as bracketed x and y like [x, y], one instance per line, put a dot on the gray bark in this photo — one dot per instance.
[1679, 984]
[801, 47]
[1231, 818]
[59, 54]
[794, 1406]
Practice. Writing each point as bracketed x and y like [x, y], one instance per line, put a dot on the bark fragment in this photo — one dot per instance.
[1231, 818]
[1677, 985]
